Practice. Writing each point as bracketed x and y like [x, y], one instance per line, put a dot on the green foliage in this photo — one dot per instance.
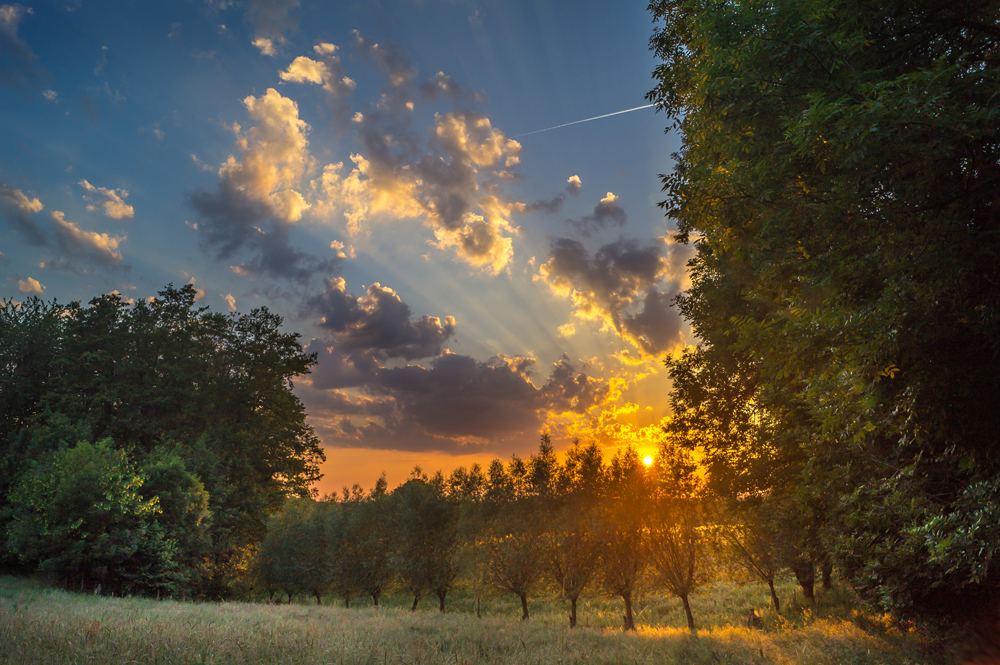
[838, 175]
[79, 513]
[200, 403]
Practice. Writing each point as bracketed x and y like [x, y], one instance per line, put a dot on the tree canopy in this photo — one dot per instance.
[197, 406]
[839, 174]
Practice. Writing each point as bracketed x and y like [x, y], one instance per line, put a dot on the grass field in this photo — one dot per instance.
[40, 625]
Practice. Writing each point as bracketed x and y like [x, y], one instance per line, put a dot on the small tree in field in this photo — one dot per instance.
[677, 545]
[624, 547]
[749, 537]
[573, 542]
[515, 556]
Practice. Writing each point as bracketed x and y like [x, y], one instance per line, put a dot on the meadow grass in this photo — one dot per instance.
[42, 625]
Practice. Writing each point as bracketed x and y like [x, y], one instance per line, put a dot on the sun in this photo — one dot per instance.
[648, 460]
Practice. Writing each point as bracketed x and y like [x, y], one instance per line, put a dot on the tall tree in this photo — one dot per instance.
[838, 174]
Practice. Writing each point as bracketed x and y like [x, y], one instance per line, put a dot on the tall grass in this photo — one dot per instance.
[39, 625]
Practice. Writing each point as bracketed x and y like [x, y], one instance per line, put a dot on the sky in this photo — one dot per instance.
[373, 172]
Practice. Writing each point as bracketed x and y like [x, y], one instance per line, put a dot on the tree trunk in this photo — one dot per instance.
[271, 597]
[828, 574]
[290, 598]
[416, 599]
[524, 606]
[319, 598]
[805, 573]
[375, 596]
[774, 597]
[629, 620]
[441, 594]
[347, 600]
[687, 612]
[572, 612]
[479, 607]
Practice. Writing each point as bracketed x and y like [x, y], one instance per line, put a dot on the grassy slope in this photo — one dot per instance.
[39, 625]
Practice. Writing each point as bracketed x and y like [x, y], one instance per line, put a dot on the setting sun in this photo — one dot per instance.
[648, 460]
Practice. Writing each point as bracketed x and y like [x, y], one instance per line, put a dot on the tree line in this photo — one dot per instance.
[146, 444]
[580, 526]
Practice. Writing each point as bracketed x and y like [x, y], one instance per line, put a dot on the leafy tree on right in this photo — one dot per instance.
[839, 175]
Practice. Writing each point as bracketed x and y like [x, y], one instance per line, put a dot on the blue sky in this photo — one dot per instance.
[360, 169]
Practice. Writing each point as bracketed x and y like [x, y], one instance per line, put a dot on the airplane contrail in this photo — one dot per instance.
[577, 122]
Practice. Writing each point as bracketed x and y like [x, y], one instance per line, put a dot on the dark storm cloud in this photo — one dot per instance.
[19, 211]
[620, 285]
[608, 212]
[657, 325]
[569, 390]
[379, 322]
[17, 62]
[230, 224]
[444, 403]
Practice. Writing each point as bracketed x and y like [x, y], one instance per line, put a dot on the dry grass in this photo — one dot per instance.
[40, 625]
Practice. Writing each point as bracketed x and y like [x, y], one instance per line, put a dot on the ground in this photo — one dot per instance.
[42, 625]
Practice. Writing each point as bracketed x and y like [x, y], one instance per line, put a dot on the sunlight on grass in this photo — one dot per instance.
[39, 625]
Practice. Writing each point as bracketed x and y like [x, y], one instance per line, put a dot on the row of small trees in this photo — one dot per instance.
[514, 527]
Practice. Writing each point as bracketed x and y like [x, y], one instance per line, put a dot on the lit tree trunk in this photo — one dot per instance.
[774, 596]
[687, 612]
[629, 620]
[524, 606]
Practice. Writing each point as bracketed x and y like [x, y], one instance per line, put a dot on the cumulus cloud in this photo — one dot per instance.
[230, 301]
[31, 287]
[18, 209]
[272, 21]
[327, 72]
[573, 184]
[257, 189]
[622, 286]
[607, 212]
[399, 178]
[379, 323]
[77, 242]
[17, 62]
[111, 200]
[361, 394]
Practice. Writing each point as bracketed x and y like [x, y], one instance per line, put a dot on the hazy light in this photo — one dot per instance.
[648, 460]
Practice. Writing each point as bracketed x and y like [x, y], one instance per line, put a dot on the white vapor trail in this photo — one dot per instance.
[577, 122]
